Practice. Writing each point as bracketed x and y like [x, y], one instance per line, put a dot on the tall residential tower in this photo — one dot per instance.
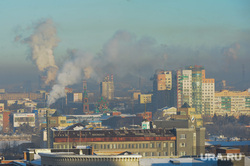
[107, 88]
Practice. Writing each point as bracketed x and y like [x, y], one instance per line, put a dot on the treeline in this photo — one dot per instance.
[229, 126]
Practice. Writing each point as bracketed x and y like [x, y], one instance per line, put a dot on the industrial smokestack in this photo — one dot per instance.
[112, 77]
[72, 72]
[123, 54]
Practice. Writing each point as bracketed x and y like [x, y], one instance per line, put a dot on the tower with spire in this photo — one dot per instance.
[85, 101]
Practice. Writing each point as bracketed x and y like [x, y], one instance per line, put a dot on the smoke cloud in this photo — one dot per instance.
[42, 42]
[74, 70]
[232, 51]
[121, 55]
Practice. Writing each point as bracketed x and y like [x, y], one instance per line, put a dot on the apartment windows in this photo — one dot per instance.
[183, 153]
[182, 136]
[171, 145]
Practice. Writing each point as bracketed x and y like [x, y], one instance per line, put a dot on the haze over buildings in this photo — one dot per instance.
[141, 37]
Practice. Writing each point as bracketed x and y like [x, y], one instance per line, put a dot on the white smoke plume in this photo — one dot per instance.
[232, 51]
[73, 71]
[42, 42]
[122, 54]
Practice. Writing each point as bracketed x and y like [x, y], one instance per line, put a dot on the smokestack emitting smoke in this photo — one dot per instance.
[42, 43]
[122, 54]
[72, 72]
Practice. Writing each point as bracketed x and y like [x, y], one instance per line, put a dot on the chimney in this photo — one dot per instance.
[112, 77]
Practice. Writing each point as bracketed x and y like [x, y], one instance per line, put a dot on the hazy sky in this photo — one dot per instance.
[208, 29]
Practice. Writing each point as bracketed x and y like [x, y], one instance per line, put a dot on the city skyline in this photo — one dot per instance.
[213, 34]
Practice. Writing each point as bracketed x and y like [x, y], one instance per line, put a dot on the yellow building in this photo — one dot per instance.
[136, 95]
[145, 98]
[1, 107]
[234, 103]
[186, 112]
[57, 121]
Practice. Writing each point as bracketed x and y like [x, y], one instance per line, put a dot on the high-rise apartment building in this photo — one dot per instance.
[163, 90]
[195, 89]
[107, 88]
[208, 91]
[184, 87]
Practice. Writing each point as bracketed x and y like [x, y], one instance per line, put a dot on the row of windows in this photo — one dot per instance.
[135, 146]
[156, 154]
[126, 146]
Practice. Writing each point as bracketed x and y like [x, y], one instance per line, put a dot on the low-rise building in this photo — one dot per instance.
[147, 142]
[234, 103]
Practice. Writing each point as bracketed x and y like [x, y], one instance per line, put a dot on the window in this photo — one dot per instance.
[182, 144]
[182, 136]
[165, 144]
[171, 144]
[183, 153]
[159, 145]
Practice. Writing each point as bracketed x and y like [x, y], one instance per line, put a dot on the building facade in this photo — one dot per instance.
[208, 92]
[195, 89]
[107, 88]
[147, 142]
[154, 142]
[234, 103]
[162, 90]
[145, 98]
